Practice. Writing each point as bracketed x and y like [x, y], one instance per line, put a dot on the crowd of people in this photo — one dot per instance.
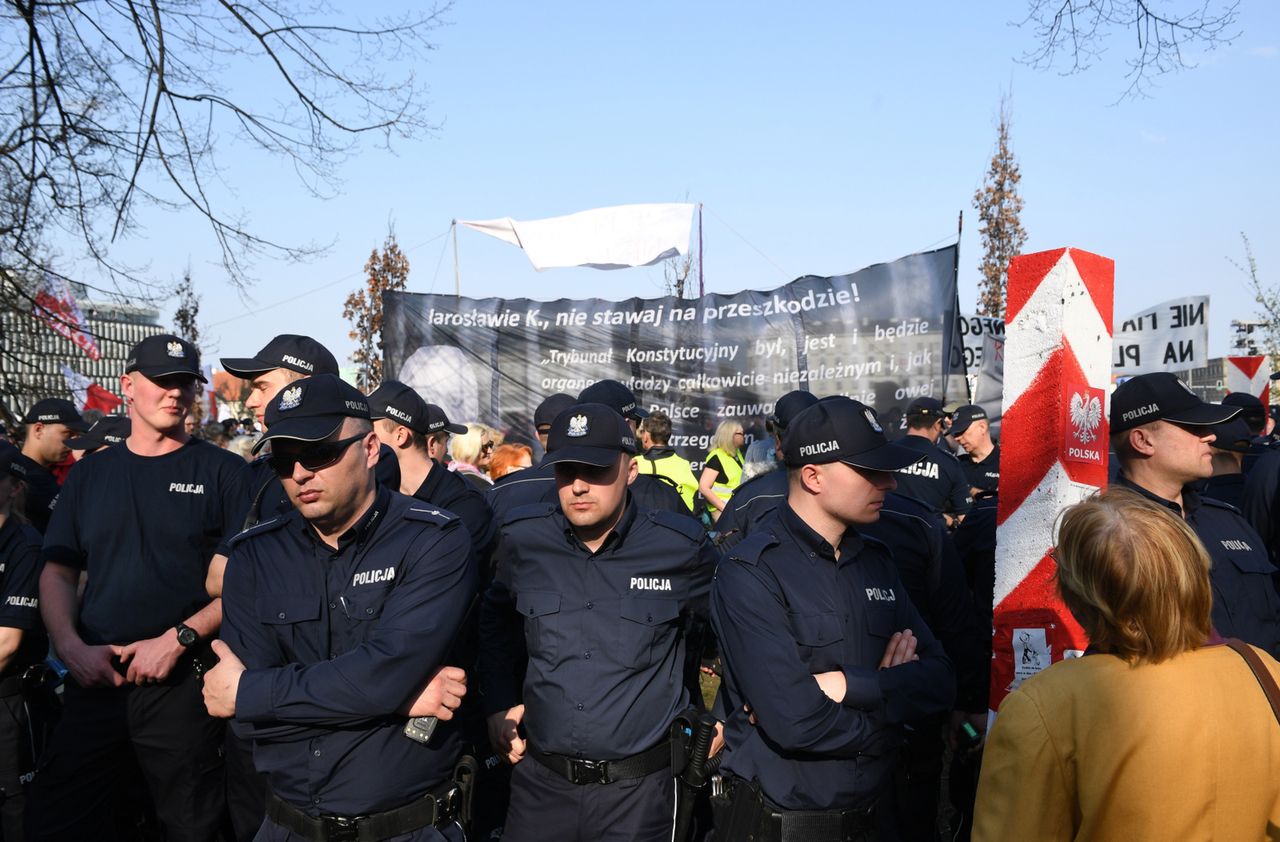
[348, 617]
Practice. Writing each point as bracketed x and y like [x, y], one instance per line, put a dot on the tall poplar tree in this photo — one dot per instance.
[999, 208]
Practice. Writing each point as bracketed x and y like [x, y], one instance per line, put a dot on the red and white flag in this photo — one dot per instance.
[88, 394]
[57, 307]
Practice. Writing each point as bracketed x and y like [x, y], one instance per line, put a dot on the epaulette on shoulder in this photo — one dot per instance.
[431, 514]
[749, 549]
[686, 525]
[257, 529]
[1220, 504]
[530, 511]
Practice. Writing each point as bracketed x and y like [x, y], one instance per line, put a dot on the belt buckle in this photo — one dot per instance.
[340, 828]
[588, 772]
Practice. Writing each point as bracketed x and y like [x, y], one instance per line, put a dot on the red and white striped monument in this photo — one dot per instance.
[1053, 447]
[1251, 375]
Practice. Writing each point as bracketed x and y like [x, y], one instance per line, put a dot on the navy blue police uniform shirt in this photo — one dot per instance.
[785, 609]
[937, 480]
[931, 571]
[20, 594]
[1261, 501]
[1246, 603]
[1229, 488]
[42, 491]
[538, 485]
[601, 633]
[446, 489]
[144, 528]
[338, 643]
[751, 504]
[268, 498]
[985, 474]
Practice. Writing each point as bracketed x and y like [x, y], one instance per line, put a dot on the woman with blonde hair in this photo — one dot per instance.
[722, 472]
[1160, 731]
[468, 451]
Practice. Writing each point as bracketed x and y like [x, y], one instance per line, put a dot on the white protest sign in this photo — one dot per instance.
[1172, 336]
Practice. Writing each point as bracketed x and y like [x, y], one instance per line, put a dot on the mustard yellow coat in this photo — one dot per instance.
[1092, 749]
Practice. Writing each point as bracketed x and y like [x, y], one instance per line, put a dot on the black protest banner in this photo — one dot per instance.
[882, 335]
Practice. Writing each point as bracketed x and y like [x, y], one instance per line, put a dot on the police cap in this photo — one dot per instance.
[400, 403]
[55, 411]
[106, 431]
[926, 408]
[312, 409]
[840, 429]
[613, 394]
[437, 421]
[1161, 396]
[8, 454]
[789, 406]
[1233, 435]
[162, 355]
[964, 417]
[551, 407]
[1251, 408]
[288, 350]
[589, 433]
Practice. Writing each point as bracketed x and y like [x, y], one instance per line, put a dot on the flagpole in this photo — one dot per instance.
[457, 281]
[702, 290]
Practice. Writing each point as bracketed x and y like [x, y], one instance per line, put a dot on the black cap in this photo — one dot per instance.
[614, 394]
[964, 417]
[288, 350]
[840, 429]
[400, 403]
[1251, 408]
[551, 407]
[1162, 397]
[789, 406]
[108, 430]
[437, 421]
[312, 409]
[55, 411]
[1233, 435]
[164, 354]
[590, 433]
[926, 408]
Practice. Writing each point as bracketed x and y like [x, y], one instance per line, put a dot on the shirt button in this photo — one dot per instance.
[315, 800]
[590, 605]
[812, 555]
[333, 605]
[316, 752]
[579, 706]
[368, 611]
[280, 616]
[588, 655]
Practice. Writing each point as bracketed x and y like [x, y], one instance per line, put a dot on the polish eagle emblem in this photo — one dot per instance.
[174, 349]
[1086, 415]
[577, 426]
[290, 398]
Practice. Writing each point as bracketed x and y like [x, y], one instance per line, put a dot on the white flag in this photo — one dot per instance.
[604, 238]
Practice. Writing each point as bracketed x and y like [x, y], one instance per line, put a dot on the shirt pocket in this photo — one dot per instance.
[543, 630]
[650, 624]
[294, 618]
[820, 638]
[366, 604]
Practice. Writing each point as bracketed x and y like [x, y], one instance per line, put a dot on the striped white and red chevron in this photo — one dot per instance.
[1053, 446]
[1249, 374]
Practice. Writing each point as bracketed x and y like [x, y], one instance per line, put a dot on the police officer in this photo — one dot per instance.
[337, 614]
[603, 590]
[1232, 441]
[49, 423]
[936, 478]
[22, 648]
[981, 459]
[105, 432]
[531, 485]
[139, 521]
[755, 499]
[405, 422]
[537, 485]
[1261, 426]
[825, 655]
[1161, 432]
[546, 412]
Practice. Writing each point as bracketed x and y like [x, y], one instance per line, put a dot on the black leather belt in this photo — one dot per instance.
[436, 809]
[578, 771]
[742, 812]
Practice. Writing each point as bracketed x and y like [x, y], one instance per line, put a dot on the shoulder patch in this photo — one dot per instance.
[530, 511]
[686, 525]
[430, 514]
[257, 529]
[749, 549]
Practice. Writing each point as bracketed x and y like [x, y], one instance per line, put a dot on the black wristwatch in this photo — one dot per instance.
[186, 635]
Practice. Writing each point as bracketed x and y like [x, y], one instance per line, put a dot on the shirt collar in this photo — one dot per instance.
[814, 544]
[362, 529]
[616, 535]
[1190, 499]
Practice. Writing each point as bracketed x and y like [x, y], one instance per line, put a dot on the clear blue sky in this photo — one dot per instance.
[821, 137]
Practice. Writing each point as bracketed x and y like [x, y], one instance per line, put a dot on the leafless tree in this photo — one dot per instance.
[1071, 35]
[110, 106]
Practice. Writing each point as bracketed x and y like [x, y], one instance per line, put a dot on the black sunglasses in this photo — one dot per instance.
[313, 457]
